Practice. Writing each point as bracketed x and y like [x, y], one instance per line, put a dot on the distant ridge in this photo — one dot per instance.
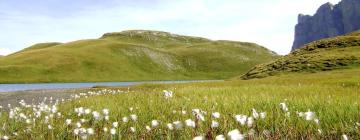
[329, 21]
[132, 55]
[327, 54]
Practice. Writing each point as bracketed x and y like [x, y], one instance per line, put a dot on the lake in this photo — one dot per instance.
[37, 86]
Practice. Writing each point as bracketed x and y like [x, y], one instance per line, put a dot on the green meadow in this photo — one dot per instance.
[332, 99]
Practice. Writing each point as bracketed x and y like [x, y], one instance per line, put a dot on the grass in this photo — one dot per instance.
[132, 56]
[322, 55]
[333, 96]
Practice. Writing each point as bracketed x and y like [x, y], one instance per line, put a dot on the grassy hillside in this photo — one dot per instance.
[132, 55]
[323, 55]
[321, 105]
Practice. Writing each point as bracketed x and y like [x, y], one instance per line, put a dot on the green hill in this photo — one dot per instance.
[130, 56]
[323, 55]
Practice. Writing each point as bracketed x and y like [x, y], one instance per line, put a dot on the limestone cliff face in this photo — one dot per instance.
[328, 21]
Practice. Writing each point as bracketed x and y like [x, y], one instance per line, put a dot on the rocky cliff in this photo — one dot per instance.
[329, 21]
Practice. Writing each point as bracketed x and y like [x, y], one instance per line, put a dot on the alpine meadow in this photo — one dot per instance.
[153, 81]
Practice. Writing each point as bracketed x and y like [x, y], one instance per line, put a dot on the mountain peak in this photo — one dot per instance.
[328, 21]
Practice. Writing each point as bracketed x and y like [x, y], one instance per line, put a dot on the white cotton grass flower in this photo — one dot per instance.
[309, 115]
[5, 138]
[284, 107]
[87, 111]
[112, 131]
[133, 117]
[76, 131]
[170, 126]
[96, 115]
[115, 124]
[50, 127]
[125, 119]
[215, 115]
[255, 114]
[90, 131]
[183, 112]
[105, 111]
[263, 115]
[148, 128]
[220, 137]
[178, 124]
[235, 135]
[105, 129]
[319, 131]
[241, 119]
[78, 124]
[132, 129]
[107, 118]
[200, 117]
[190, 123]
[195, 111]
[154, 123]
[214, 124]
[344, 137]
[199, 138]
[68, 121]
[250, 121]
[317, 121]
[168, 94]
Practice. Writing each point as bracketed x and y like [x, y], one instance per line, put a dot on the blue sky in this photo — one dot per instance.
[267, 22]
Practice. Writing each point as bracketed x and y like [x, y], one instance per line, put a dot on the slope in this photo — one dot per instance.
[332, 53]
[131, 56]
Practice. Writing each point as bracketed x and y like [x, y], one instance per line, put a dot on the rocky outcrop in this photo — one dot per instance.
[329, 21]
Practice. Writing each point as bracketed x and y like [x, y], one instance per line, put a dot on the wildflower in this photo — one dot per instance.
[317, 121]
[5, 138]
[96, 115]
[78, 124]
[115, 124]
[90, 131]
[255, 114]
[178, 124]
[170, 126]
[105, 129]
[105, 111]
[220, 137]
[87, 111]
[125, 119]
[241, 119]
[200, 117]
[214, 124]
[76, 131]
[107, 118]
[133, 117]
[168, 94]
[216, 115]
[190, 123]
[344, 137]
[198, 138]
[68, 121]
[131, 109]
[132, 129]
[309, 115]
[183, 112]
[284, 107]
[28, 121]
[195, 111]
[82, 120]
[112, 131]
[250, 121]
[301, 114]
[235, 135]
[262, 115]
[50, 127]
[154, 123]
[148, 128]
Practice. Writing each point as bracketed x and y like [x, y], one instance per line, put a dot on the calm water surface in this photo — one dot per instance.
[21, 87]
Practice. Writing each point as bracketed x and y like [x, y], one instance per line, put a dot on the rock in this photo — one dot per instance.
[328, 21]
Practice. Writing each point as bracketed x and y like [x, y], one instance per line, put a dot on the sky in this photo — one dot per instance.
[269, 23]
